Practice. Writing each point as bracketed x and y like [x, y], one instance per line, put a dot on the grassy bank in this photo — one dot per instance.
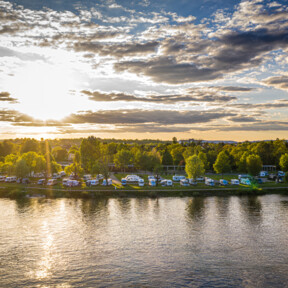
[19, 190]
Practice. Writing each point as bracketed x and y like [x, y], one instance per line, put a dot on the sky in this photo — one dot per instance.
[211, 69]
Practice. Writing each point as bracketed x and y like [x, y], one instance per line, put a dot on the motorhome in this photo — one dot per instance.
[107, 183]
[184, 182]
[52, 182]
[94, 182]
[123, 181]
[169, 183]
[281, 173]
[223, 182]
[177, 178]
[62, 173]
[245, 181]
[234, 182]
[141, 182]
[163, 182]
[152, 182]
[132, 178]
[72, 183]
[11, 179]
[2, 178]
[87, 177]
[41, 182]
[263, 174]
[243, 176]
[209, 181]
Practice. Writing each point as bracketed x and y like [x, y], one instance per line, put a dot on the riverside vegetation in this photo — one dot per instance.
[27, 157]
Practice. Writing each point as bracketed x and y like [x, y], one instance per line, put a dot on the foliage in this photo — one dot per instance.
[222, 164]
[30, 145]
[90, 151]
[21, 168]
[123, 158]
[60, 154]
[167, 158]
[194, 167]
[254, 164]
[284, 162]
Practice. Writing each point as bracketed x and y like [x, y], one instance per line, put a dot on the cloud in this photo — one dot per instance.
[279, 82]
[5, 96]
[137, 116]
[191, 95]
[281, 103]
[117, 50]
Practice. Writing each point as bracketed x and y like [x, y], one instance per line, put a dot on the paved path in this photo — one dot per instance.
[115, 179]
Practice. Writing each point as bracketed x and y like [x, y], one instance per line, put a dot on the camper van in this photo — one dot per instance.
[124, 181]
[152, 182]
[263, 174]
[223, 182]
[245, 181]
[132, 178]
[234, 182]
[52, 182]
[177, 178]
[209, 181]
[107, 183]
[11, 179]
[184, 182]
[72, 183]
[87, 177]
[141, 182]
[2, 178]
[169, 183]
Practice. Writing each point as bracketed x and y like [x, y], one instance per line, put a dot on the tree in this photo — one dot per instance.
[167, 158]
[40, 165]
[158, 169]
[21, 168]
[194, 167]
[90, 152]
[284, 162]
[123, 158]
[222, 164]
[73, 168]
[30, 158]
[203, 157]
[30, 145]
[254, 164]
[60, 154]
[174, 140]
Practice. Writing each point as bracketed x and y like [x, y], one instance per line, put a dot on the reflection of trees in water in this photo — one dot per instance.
[92, 207]
[252, 208]
[196, 208]
[23, 204]
[222, 205]
[124, 205]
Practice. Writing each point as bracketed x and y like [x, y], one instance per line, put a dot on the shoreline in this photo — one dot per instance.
[50, 193]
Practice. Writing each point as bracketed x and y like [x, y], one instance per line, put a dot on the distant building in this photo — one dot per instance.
[188, 141]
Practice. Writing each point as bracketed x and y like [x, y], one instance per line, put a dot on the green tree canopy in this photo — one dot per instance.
[284, 162]
[222, 164]
[167, 158]
[254, 164]
[60, 154]
[21, 168]
[123, 158]
[194, 167]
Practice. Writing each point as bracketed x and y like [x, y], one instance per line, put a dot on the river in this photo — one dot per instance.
[166, 242]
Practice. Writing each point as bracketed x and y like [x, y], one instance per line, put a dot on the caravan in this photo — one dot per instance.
[234, 182]
[107, 183]
[223, 182]
[209, 182]
[177, 178]
[184, 182]
[152, 182]
[141, 182]
[11, 179]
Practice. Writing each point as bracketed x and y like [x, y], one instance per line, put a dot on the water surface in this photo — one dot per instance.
[167, 242]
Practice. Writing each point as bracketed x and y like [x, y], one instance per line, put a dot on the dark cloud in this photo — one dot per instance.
[5, 96]
[263, 126]
[116, 49]
[281, 103]
[163, 117]
[193, 95]
[232, 88]
[166, 69]
[243, 119]
[280, 82]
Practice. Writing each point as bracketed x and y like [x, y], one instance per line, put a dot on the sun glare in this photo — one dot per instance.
[44, 91]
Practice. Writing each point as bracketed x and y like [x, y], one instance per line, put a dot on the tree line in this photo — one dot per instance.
[93, 155]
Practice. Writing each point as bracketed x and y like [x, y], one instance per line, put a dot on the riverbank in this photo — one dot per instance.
[20, 191]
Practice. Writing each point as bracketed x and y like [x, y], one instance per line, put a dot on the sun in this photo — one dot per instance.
[44, 91]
